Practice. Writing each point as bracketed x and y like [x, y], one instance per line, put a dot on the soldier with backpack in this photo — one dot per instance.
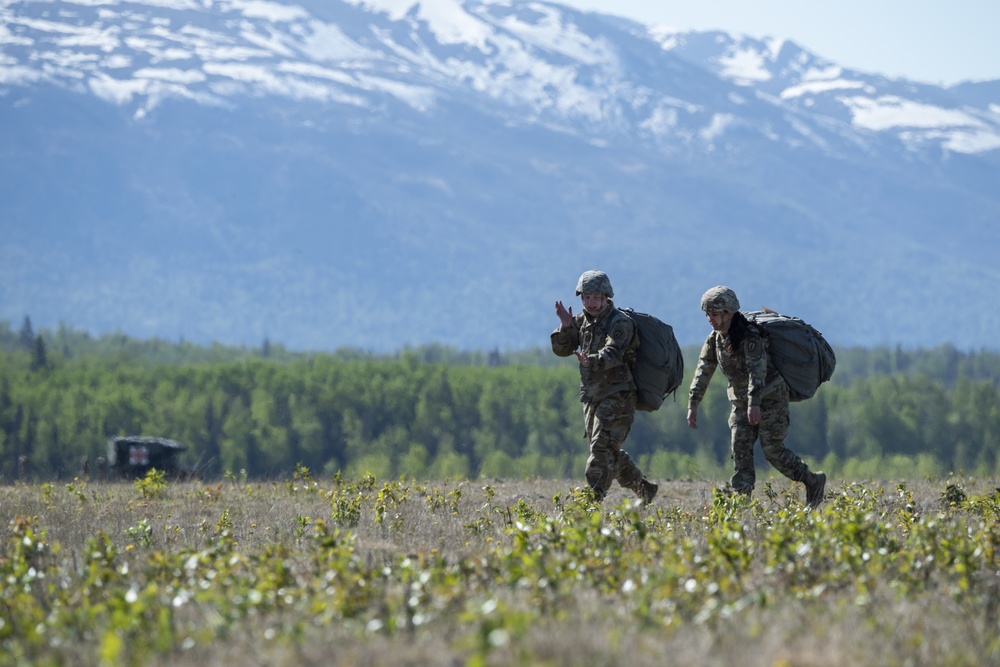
[604, 341]
[757, 391]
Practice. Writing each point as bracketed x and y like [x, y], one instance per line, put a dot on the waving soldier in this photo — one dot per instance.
[604, 341]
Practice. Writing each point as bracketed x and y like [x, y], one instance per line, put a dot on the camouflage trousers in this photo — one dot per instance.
[606, 425]
[772, 430]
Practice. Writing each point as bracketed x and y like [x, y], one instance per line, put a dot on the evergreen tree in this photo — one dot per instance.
[27, 334]
[39, 356]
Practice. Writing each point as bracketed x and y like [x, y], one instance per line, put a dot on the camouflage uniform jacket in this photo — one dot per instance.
[750, 372]
[610, 342]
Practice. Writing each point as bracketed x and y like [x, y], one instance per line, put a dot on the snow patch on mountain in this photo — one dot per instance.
[889, 111]
[552, 33]
[14, 74]
[817, 87]
[717, 126]
[171, 74]
[446, 19]
[745, 66]
[752, 62]
[825, 73]
[326, 42]
[958, 130]
[274, 12]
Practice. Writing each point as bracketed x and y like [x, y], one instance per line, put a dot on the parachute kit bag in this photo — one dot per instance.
[659, 364]
[798, 350]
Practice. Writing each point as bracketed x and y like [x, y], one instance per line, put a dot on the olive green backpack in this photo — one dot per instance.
[659, 365]
[798, 350]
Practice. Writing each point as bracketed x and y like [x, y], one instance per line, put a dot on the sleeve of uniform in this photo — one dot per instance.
[755, 349]
[565, 339]
[612, 353]
[707, 363]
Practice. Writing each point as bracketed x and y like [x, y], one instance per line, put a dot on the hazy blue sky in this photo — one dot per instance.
[935, 41]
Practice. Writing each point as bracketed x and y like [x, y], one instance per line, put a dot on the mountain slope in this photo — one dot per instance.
[387, 173]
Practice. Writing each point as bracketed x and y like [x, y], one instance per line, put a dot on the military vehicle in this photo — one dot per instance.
[133, 456]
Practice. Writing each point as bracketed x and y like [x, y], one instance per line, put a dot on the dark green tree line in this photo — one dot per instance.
[434, 412]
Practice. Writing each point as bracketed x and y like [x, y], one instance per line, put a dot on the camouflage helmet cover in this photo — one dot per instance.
[594, 282]
[720, 298]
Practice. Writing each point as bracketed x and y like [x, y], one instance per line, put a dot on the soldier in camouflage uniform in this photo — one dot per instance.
[604, 341]
[758, 393]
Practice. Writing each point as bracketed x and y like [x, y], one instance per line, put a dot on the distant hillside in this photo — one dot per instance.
[330, 174]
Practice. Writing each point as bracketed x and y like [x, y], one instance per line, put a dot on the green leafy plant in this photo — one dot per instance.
[152, 485]
[302, 481]
[77, 491]
[953, 494]
[140, 534]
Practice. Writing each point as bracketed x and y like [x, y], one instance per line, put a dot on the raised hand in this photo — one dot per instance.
[565, 316]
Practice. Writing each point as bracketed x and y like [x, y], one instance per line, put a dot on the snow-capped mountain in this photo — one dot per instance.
[957, 119]
[387, 172]
[525, 61]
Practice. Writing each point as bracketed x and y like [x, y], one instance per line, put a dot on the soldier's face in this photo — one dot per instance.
[594, 303]
[720, 320]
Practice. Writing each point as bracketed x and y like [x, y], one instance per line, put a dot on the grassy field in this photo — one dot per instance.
[310, 571]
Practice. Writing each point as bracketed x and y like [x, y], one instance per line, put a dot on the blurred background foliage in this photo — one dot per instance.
[438, 413]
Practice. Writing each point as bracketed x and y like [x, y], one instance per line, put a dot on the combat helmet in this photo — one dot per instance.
[594, 282]
[720, 298]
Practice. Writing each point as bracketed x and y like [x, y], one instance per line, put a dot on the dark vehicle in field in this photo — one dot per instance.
[132, 456]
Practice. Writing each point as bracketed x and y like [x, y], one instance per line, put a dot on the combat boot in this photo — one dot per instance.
[647, 491]
[815, 486]
[596, 495]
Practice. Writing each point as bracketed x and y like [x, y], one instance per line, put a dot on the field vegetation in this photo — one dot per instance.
[310, 541]
[320, 571]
